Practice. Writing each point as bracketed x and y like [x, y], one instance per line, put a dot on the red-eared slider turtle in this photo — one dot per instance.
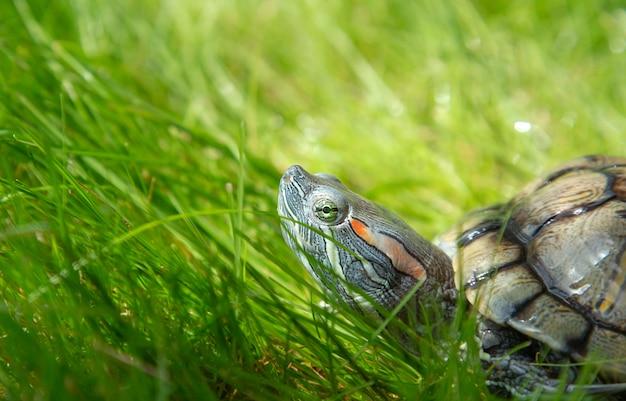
[547, 267]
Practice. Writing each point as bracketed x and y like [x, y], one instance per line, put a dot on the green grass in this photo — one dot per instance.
[140, 149]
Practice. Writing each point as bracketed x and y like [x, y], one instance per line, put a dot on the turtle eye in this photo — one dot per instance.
[326, 210]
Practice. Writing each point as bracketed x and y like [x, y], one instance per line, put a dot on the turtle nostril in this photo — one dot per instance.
[286, 178]
[294, 171]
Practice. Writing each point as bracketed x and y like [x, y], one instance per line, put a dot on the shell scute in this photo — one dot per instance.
[582, 257]
[484, 256]
[608, 349]
[507, 292]
[586, 163]
[553, 323]
[619, 182]
[573, 192]
[554, 265]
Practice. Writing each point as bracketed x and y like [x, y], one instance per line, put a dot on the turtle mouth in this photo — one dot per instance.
[291, 198]
[292, 190]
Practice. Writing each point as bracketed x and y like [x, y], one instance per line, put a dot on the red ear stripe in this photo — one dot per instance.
[361, 230]
[401, 259]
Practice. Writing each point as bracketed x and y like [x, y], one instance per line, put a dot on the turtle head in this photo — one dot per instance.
[352, 246]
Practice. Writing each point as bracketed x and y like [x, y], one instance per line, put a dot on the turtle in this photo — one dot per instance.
[547, 267]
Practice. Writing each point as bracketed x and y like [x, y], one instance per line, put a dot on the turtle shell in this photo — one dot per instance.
[551, 263]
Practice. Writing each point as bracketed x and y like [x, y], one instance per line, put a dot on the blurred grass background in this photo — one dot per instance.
[141, 144]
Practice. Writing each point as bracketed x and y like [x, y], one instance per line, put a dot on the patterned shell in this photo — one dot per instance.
[551, 263]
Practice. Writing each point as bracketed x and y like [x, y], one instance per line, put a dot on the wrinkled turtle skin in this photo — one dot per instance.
[549, 266]
[551, 263]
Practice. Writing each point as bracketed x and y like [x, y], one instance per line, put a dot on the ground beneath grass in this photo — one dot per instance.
[140, 149]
